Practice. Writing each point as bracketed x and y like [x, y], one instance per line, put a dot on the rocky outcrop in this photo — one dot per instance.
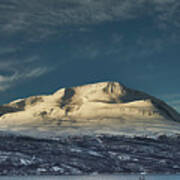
[8, 109]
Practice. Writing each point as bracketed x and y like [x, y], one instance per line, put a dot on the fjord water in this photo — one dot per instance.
[98, 177]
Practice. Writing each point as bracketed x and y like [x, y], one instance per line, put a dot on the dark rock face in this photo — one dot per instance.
[66, 99]
[7, 109]
[88, 154]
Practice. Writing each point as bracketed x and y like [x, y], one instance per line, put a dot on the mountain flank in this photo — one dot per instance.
[109, 104]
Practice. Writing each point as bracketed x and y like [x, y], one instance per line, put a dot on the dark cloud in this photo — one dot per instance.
[42, 18]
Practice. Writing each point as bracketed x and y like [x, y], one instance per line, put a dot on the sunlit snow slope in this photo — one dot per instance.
[105, 107]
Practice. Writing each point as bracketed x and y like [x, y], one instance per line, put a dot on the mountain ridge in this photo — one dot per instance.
[99, 104]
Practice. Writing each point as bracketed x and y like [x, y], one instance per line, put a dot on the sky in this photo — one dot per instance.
[50, 44]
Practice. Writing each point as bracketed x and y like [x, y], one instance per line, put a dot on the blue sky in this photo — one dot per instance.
[46, 45]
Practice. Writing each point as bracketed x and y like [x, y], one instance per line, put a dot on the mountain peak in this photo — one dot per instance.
[105, 103]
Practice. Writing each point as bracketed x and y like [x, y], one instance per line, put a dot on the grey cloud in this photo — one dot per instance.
[16, 71]
[7, 50]
[11, 64]
[5, 64]
[8, 81]
[168, 12]
[44, 17]
[36, 72]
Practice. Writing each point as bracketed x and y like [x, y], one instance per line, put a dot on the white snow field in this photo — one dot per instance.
[105, 107]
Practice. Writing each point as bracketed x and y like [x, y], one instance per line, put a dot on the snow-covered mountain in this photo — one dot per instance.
[105, 107]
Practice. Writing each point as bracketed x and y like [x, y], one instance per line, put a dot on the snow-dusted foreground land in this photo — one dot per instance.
[76, 155]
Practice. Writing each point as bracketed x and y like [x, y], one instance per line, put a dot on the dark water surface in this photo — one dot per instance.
[98, 177]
